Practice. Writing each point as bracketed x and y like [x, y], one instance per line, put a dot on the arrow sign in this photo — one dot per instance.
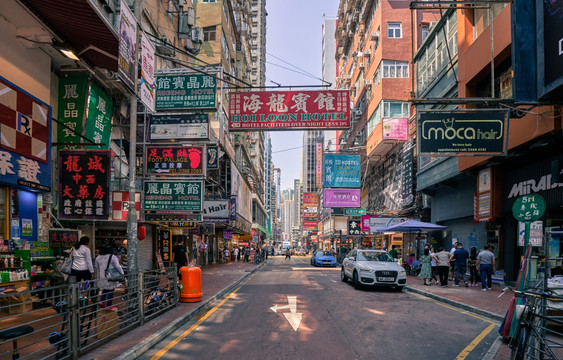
[293, 317]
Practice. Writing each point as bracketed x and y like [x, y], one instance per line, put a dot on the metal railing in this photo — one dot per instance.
[61, 322]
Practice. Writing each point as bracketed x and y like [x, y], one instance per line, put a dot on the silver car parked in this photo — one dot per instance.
[372, 267]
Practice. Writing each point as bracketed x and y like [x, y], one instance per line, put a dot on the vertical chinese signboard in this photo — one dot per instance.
[84, 184]
[25, 141]
[163, 244]
[175, 160]
[100, 112]
[148, 85]
[319, 164]
[185, 91]
[73, 92]
[310, 211]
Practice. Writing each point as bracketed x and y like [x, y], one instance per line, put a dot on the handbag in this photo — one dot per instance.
[66, 266]
[112, 274]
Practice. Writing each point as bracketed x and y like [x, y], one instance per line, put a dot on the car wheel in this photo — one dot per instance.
[399, 288]
[356, 282]
[343, 276]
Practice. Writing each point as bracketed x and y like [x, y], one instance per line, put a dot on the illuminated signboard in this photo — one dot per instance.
[175, 160]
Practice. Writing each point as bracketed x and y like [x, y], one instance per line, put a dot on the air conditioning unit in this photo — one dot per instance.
[361, 32]
[367, 52]
[374, 36]
[368, 83]
[361, 65]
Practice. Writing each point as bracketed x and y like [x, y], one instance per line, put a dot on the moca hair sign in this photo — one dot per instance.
[289, 110]
[463, 132]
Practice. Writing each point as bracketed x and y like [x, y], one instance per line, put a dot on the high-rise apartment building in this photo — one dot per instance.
[258, 42]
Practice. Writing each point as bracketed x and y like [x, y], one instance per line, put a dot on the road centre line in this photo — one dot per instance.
[467, 350]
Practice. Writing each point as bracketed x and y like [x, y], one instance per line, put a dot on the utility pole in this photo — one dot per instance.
[132, 212]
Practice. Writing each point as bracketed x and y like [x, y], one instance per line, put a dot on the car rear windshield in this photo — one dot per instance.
[374, 256]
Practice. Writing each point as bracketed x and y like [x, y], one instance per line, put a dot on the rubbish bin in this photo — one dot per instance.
[191, 284]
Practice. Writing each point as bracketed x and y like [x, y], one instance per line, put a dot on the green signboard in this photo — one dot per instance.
[73, 91]
[100, 112]
[528, 208]
[354, 211]
[185, 91]
[173, 196]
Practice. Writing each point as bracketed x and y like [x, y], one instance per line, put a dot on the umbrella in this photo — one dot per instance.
[412, 226]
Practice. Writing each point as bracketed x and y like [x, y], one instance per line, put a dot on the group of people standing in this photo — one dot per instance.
[453, 265]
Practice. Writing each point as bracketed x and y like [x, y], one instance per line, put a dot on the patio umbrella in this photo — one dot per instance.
[412, 226]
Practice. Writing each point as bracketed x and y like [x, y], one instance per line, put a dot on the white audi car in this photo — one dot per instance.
[372, 267]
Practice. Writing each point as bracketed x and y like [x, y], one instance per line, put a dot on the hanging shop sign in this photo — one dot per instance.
[84, 178]
[63, 238]
[241, 191]
[355, 227]
[341, 170]
[148, 85]
[170, 196]
[127, 45]
[463, 132]
[175, 160]
[185, 91]
[529, 207]
[342, 198]
[73, 92]
[177, 216]
[289, 110]
[179, 127]
[354, 212]
[395, 128]
[216, 209]
[163, 237]
[310, 211]
[120, 205]
[371, 223]
[319, 164]
[98, 119]
[212, 157]
[25, 141]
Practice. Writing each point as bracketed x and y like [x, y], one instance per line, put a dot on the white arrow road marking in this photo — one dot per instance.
[293, 317]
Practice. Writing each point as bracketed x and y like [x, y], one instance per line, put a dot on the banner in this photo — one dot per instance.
[310, 211]
[463, 132]
[395, 128]
[73, 93]
[127, 46]
[179, 127]
[175, 160]
[342, 170]
[173, 196]
[148, 85]
[216, 209]
[185, 91]
[98, 122]
[212, 157]
[342, 198]
[289, 110]
[84, 184]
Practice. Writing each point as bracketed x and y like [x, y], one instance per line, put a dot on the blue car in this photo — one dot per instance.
[323, 258]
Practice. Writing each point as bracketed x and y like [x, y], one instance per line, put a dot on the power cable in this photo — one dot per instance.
[305, 72]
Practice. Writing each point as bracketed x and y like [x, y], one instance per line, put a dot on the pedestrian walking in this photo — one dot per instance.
[288, 254]
[451, 273]
[486, 263]
[393, 252]
[443, 265]
[226, 255]
[472, 265]
[235, 253]
[459, 259]
[433, 265]
[104, 261]
[82, 267]
[426, 269]
[247, 254]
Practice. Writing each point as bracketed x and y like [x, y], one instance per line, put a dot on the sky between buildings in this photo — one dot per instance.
[294, 35]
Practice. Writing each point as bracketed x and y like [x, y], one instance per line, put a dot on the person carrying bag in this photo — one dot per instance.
[109, 274]
[66, 266]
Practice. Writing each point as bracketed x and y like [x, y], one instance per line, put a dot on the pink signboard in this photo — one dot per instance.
[289, 110]
[342, 198]
[365, 223]
[395, 128]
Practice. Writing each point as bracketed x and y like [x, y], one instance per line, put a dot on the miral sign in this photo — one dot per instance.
[463, 132]
[289, 110]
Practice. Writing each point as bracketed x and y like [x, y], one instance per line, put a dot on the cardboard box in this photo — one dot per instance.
[20, 303]
[107, 322]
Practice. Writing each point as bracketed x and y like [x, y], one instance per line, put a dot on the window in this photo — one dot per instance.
[394, 30]
[425, 29]
[395, 69]
[209, 33]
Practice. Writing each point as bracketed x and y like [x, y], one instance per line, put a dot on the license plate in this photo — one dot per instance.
[385, 279]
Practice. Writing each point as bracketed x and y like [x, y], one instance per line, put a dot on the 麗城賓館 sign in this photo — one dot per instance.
[289, 110]
[185, 91]
[463, 132]
[84, 184]
[175, 160]
[173, 196]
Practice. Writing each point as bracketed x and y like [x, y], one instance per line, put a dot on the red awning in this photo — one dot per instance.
[79, 25]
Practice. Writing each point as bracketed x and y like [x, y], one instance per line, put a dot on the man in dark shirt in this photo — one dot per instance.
[52, 278]
[180, 255]
[459, 258]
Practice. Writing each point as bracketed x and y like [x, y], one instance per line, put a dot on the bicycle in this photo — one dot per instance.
[533, 339]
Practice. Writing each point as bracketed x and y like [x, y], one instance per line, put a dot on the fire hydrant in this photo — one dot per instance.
[191, 284]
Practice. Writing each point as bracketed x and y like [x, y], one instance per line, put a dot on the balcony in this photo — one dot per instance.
[388, 133]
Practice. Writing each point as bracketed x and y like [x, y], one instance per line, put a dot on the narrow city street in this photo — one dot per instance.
[292, 310]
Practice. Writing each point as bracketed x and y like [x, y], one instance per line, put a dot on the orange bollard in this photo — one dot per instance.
[191, 282]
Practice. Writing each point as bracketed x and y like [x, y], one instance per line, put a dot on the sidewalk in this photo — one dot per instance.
[220, 279]
[216, 279]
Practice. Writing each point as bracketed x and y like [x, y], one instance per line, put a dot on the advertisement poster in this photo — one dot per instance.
[289, 110]
[127, 46]
[27, 227]
[84, 178]
[536, 233]
[310, 211]
[98, 122]
[73, 92]
[240, 190]
[148, 84]
[212, 157]
[342, 198]
[216, 209]
[342, 170]
[175, 160]
[395, 128]
[63, 238]
[179, 127]
[185, 91]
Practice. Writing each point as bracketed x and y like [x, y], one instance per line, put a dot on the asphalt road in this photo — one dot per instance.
[318, 317]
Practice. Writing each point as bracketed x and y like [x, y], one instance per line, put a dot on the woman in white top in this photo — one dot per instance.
[82, 266]
[106, 256]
